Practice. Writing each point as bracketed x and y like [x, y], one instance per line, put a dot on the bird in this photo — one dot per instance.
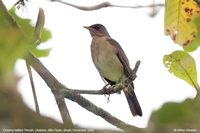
[112, 63]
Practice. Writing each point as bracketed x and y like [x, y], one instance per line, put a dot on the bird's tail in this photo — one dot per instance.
[132, 101]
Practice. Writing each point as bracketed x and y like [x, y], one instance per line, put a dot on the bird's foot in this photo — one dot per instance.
[106, 86]
[117, 88]
[107, 89]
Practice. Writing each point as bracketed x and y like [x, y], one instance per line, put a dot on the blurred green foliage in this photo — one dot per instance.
[172, 117]
[16, 39]
[13, 44]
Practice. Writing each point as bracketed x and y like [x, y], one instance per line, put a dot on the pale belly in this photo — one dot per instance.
[106, 61]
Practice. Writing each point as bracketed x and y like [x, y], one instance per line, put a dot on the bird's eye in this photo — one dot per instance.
[97, 27]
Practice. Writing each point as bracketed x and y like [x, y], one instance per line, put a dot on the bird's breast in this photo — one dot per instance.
[105, 58]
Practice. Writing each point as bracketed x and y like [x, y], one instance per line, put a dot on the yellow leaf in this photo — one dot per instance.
[179, 20]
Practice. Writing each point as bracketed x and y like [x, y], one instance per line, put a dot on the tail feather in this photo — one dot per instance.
[133, 102]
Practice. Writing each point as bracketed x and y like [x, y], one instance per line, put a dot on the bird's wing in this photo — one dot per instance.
[122, 56]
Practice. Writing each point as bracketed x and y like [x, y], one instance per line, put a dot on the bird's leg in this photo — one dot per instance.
[106, 86]
[117, 88]
[107, 89]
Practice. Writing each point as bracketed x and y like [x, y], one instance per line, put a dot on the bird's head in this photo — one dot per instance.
[97, 30]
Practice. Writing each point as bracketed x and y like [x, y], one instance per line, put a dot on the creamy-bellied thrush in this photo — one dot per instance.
[112, 63]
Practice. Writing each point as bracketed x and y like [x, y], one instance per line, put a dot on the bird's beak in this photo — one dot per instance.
[87, 27]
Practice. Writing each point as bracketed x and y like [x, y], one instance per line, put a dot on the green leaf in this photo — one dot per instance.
[24, 25]
[39, 26]
[173, 116]
[16, 39]
[13, 43]
[179, 20]
[41, 52]
[183, 66]
[12, 47]
[34, 34]
[45, 35]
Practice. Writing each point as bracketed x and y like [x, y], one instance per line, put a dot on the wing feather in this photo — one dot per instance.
[122, 56]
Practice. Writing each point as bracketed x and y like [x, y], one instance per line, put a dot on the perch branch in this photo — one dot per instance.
[60, 90]
[112, 89]
[70, 94]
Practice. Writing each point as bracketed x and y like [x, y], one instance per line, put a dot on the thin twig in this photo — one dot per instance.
[54, 84]
[134, 71]
[33, 88]
[20, 3]
[64, 112]
[105, 4]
